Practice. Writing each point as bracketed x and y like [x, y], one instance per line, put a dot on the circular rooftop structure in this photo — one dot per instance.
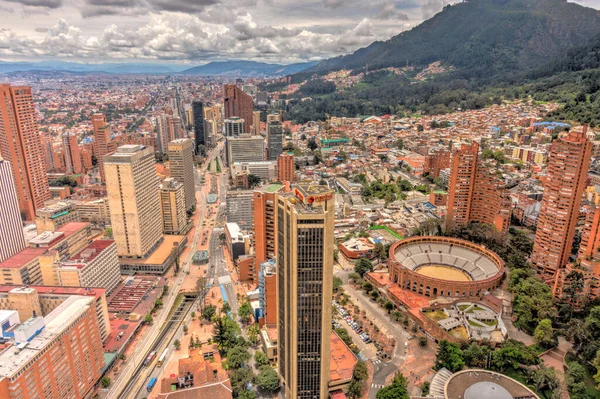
[445, 266]
[479, 384]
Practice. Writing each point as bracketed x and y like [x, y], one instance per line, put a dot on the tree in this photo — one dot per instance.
[545, 377]
[105, 381]
[261, 358]
[185, 330]
[108, 233]
[240, 378]
[253, 180]
[400, 144]
[397, 390]
[226, 308]
[575, 380]
[268, 379]
[450, 356]
[388, 306]
[363, 266]
[312, 144]
[337, 283]
[64, 181]
[225, 332]
[177, 344]
[246, 394]
[245, 311]
[354, 389]
[148, 319]
[237, 357]
[253, 333]
[544, 334]
[422, 340]
[208, 312]
[360, 372]
[476, 355]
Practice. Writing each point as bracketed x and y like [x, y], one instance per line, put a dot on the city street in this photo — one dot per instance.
[383, 369]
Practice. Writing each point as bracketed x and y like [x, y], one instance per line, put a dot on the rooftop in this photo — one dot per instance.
[45, 289]
[89, 253]
[22, 258]
[342, 360]
[271, 188]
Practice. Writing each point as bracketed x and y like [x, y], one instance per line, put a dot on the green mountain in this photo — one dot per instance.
[484, 35]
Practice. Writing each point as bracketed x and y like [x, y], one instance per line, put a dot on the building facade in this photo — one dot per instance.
[132, 186]
[234, 127]
[63, 360]
[305, 244]
[274, 140]
[559, 212]
[181, 164]
[172, 205]
[21, 145]
[199, 137]
[239, 208]
[475, 192]
[12, 239]
[96, 266]
[72, 154]
[264, 200]
[237, 103]
[102, 140]
[286, 170]
[245, 149]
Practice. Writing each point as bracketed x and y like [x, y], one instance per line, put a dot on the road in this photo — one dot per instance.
[383, 369]
[148, 341]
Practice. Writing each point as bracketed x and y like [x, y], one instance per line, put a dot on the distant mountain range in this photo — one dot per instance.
[490, 35]
[222, 68]
[247, 68]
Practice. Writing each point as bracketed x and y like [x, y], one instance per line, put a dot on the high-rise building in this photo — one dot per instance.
[274, 140]
[305, 244]
[56, 215]
[256, 123]
[234, 127]
[267, 292]
[274, 117]
[264, 200]
[245, 149]
[72, 154]
[239, 208]
[285, 168]
[476, 194]
[132, 186]
[12, 239]
[172, 205]
[559, 211]
[48, 151]
[162, 131]
[181, 164]
[175, 128]
[237, 103]
[199, 137]
[96, 266]
[21, 145]
[102, 139]
[57, 356]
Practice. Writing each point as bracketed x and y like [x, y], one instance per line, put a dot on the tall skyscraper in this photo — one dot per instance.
[175, 128]
[172, 205]
[476, 194]
[264, 221]
[285, 168]
[162, 131]
[563, 188]
[72, 154]
[12, 239]
[132, 186]
[199, 137]
[181, 163]
[256, 123]
[305, 240]
[21, 145]
[274, 140]
[102, 138]
[237, 103]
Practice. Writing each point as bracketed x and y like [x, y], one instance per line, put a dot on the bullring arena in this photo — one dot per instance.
[444, 266]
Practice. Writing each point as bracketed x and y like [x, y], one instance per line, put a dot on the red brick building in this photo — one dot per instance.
[563, 189]
[285, 168]
[476, 193]
[237, 103]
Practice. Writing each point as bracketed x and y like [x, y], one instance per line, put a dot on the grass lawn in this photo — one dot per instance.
[463, 307]
[436, 315]
[460, 333]
[474, 323]
[490, 322]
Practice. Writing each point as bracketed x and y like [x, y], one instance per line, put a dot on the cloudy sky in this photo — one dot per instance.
[198, 31]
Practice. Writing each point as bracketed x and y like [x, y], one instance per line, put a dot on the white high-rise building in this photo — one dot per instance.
[12, 239]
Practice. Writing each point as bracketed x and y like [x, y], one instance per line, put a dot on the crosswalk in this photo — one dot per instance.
[375, 361]
[376, 386]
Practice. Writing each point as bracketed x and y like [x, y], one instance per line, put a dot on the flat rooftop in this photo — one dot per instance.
[271, 188]
[342, 360]
[88, 254]
[160, 254]
[61, 318]
[46, 290]
[22, 258]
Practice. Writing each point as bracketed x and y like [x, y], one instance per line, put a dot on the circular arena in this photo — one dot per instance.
[444, 266]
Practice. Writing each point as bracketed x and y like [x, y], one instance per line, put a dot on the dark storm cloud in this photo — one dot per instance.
[38, 3]
[187, 6]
